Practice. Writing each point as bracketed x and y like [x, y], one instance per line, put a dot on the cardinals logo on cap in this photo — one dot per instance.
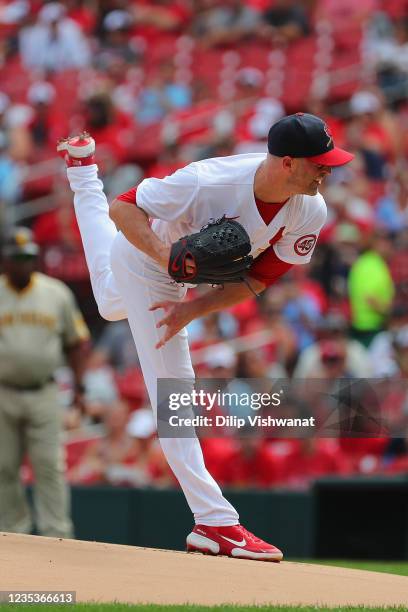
[329, 135]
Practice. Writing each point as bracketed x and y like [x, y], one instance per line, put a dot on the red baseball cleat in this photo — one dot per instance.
[235, 541]
[77, 150]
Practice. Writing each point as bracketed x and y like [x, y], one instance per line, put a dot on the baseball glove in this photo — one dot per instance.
[219, 251]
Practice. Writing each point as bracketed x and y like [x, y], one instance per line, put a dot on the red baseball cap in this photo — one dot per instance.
[305, 135]
[331, 350]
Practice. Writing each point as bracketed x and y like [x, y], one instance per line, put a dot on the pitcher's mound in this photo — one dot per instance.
[108, 572]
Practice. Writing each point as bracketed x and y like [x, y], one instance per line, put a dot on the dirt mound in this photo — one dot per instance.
[108, 572]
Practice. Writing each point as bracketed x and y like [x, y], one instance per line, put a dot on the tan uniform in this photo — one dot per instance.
[36, 325]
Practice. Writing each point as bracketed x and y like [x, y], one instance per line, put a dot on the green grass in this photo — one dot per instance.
[157, 608]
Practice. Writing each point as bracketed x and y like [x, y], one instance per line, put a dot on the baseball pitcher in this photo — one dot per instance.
[141, 270]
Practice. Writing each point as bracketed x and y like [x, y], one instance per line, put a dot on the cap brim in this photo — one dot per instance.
[335, 157]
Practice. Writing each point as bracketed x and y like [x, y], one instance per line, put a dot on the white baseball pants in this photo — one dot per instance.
[125, 283]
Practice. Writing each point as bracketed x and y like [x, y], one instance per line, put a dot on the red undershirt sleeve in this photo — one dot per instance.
[128, 196]
[267, 267]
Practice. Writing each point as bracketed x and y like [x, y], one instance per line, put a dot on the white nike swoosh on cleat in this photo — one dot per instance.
[241, 544]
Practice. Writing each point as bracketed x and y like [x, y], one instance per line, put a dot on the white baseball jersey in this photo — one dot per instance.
[185, 201]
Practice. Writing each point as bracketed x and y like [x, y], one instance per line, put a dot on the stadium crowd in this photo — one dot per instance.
[159, 84]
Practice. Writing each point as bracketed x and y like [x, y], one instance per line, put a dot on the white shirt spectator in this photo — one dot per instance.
[55, 42]
[382, 356]
[358, 364]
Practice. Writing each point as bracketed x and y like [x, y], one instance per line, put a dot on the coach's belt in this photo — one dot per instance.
[36, 387]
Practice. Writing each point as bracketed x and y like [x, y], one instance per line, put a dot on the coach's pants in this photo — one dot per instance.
[30, 421]
[126, 283]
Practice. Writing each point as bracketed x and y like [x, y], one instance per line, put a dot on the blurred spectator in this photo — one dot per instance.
[200, 125]
[117, 458]
[47, 122]
[83, 12]
[168, 161]
[312, 458]
[300, 311]
[400, 346]
[333, 328]
[10, 172]
[54, 42]
[348, 202]
[350, 217]
[254, 364]
[161, 95]
[122, 178]
[371, 288]
[59, 226]
[381, 350]
[395, 403]
[223, 23]
[111, 128]
[116, 347]
[345, 15]
[242, 374]
[121, 79]
[142, 428]
[218, 148]
[211, 329]
[284, 22]
[399, 264]
[255, 113]
[280, 337]
[392, 208]
[396, 453]
[221, 361]
[159, 470]
[159, 21]
[332, 357]
[62, 254]
[363, 454]
[100, 388]
[116, 44]
[387, 46]
[13, 12]
[373, 131]
[333, 263]
[242, 462]
[14, 136]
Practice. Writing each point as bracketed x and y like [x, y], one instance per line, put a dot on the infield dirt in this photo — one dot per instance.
[107, 572]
